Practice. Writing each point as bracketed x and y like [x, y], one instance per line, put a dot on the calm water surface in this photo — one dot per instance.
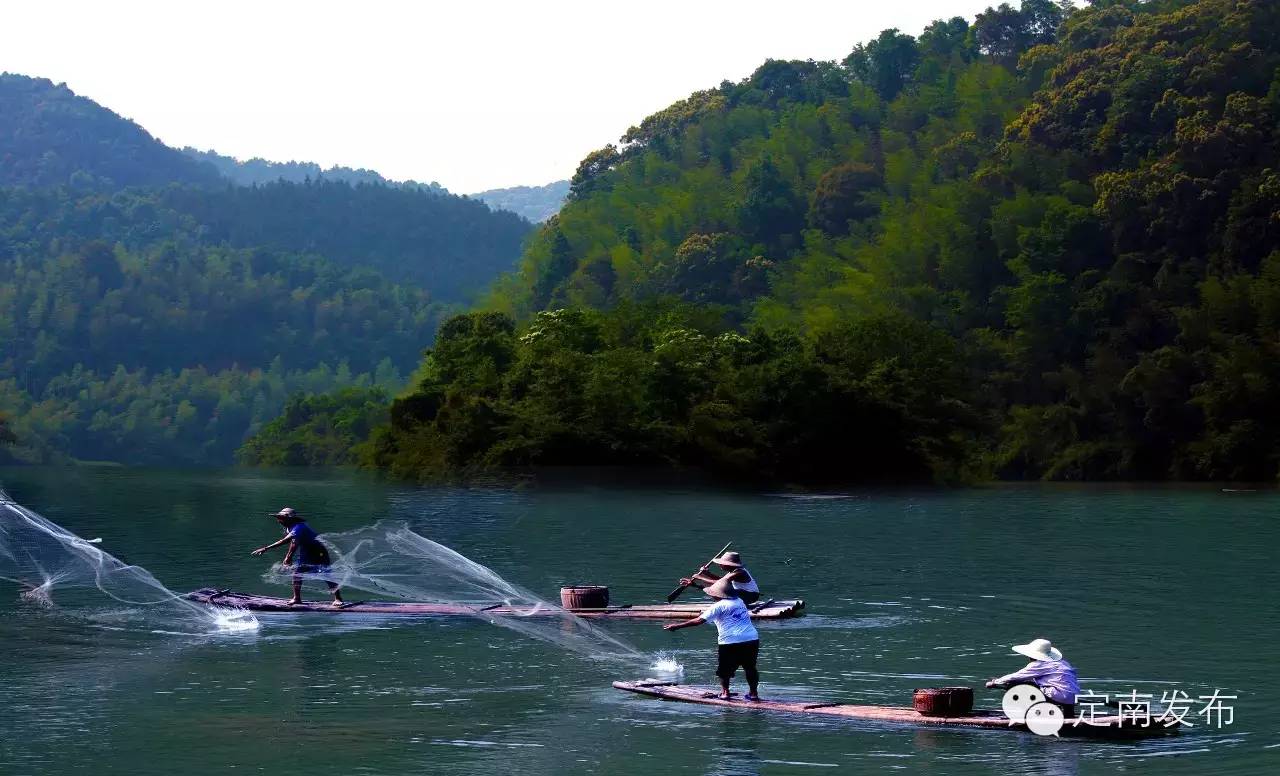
[1144, 589]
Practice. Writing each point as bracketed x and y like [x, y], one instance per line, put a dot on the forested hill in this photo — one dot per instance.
[49, 136]
[151, 312]
[1045, 243]
[258, 171]
[452, 246]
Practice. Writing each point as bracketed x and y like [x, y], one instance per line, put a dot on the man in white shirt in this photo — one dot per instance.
[738, 640]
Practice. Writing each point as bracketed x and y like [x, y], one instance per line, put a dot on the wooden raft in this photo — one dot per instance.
[765, 610]
[1104, 727]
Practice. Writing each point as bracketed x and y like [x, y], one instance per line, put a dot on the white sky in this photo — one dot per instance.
[474, 95]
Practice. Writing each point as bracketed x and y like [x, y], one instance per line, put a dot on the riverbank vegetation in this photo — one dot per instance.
[320, 430]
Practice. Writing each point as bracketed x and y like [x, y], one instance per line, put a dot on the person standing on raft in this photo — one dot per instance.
[306, 551]
[738, 642]
[735, 572]
[1055, 677]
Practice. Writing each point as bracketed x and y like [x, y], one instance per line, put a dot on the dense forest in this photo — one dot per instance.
[173, 351]
[534, 203]
[452, 246]
[166, 321]
[1042, 244]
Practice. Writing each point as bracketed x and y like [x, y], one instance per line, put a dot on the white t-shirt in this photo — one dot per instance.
[732, 620]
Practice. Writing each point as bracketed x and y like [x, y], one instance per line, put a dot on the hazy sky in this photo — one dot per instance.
[474, 95]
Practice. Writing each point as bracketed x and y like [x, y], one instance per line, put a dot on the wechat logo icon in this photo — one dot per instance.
[1026, 703]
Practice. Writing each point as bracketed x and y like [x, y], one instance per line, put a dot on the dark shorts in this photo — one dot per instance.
[734, 656]
[748, 597]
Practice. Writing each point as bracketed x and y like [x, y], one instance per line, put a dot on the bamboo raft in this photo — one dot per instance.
[764, 610]
[1103, 727]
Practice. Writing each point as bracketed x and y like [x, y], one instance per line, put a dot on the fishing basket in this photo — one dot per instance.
[584, 597]
[944, 701]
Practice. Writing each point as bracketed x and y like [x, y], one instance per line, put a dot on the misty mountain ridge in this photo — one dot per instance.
[258, 171]
[535, 203]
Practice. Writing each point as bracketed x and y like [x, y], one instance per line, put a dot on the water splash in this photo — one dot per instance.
[57, 568]
[389, 559]
[665, 666]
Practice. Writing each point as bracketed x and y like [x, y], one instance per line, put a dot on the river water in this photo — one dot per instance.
[1146, 589]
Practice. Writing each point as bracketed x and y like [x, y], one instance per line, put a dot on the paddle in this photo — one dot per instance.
[674, 594]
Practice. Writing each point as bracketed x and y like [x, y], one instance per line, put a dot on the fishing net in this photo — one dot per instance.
[389, 559]
[43, 558]
[54, 567]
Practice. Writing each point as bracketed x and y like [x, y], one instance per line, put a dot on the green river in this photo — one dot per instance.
[1153, 589]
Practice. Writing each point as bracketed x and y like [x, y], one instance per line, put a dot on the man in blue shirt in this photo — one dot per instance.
[1055, 677]
[306, 551]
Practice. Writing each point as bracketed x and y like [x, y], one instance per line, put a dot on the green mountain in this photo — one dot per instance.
[534, 203]
[1045, 243]
[166, 321]
[49, 136]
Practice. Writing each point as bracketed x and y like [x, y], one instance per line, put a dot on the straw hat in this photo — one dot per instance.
[721, 588]
[1040, 649]
[730, 560]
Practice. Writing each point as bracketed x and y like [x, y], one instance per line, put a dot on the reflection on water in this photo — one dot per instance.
[1141, 588]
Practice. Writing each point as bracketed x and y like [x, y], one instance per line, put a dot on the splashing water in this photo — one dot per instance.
[43, 557]
[389, 559]
[666, 666]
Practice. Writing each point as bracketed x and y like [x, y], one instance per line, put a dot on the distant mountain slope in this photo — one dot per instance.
[414, 233]
[257, 171]
[450, 245]
[49, 136]
[536, 203]
[151, 311]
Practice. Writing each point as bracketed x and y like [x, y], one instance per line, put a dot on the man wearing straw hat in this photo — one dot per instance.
[1055, 677]
[738, 641]
[735, 572]
[307, 553]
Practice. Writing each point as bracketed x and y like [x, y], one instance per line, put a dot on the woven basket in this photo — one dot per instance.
[943, 701]
[584, 597]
